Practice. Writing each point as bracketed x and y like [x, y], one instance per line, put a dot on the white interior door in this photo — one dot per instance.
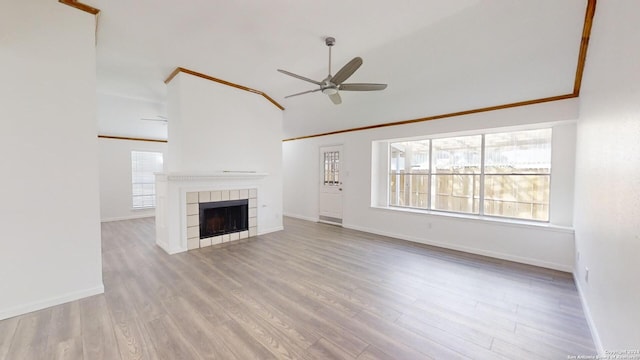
[331, 190]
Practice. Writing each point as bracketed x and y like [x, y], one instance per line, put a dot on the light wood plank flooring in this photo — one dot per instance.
[312, 291]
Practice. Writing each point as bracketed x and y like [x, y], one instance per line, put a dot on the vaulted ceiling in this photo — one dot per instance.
[437, 56]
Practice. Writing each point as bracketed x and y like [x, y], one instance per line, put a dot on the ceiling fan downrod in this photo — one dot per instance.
[330, 41]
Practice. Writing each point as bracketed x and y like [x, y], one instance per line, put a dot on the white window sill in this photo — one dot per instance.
[143, 208]
[486, 219]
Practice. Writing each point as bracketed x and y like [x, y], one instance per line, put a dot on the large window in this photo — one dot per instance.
[505, 174]
[143, 183]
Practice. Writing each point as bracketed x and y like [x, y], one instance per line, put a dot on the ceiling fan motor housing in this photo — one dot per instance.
[330, 41]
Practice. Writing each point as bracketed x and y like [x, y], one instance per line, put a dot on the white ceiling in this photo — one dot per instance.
[437, 56]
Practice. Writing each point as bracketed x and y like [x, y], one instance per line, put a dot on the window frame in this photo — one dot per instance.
[142, 173]
[482, 176]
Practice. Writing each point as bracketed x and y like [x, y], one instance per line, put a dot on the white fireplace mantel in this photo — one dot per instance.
[171, 200]
[221, 175]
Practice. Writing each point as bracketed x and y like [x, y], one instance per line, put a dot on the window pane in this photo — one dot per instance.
[393, 193]
[517, 196]
[456, 180]
[143, 187]
[456, 192]
[523, 152]
[137, 202]
[459, 155]
[418, 189]
[517, 180]
[409, 164]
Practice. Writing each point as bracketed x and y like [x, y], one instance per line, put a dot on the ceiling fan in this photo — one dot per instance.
[333, 84]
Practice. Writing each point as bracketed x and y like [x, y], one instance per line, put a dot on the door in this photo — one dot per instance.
[331, 176]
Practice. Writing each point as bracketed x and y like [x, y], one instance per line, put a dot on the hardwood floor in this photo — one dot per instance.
[312, 291]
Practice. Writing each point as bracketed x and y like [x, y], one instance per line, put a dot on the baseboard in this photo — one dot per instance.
[169, 251]
[267, 231]
[130, 217]
[488, 253]
[301, 217]
[39, 305]
[587, 314]
[330, 220]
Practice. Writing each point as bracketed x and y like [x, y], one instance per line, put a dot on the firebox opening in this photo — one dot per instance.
[223, 217]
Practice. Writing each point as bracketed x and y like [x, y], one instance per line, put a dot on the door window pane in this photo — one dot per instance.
[331, 168]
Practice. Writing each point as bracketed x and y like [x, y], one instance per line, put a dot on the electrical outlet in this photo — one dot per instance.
[429, 226]
[586, 274]
[578, 256]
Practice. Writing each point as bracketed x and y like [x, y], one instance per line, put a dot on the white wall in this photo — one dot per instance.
[49, 213]
[215, 127]
[550, 246]
[607, 192]
[494, 52]
[123, 116]
[115, 177]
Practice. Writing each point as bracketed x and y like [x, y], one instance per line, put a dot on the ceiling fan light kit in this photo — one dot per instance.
[333, 84]
[330, 90]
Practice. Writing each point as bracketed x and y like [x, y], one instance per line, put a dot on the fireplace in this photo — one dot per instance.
[219, 216]
[180, 198]
[223, 217]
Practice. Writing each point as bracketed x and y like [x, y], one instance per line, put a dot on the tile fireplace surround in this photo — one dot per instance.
[178, 196]
[194, 199]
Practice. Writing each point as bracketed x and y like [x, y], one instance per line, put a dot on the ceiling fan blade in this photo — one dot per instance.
[302, 93]
[299, 77]
[336, 98]
[347, 71]
[362, 87]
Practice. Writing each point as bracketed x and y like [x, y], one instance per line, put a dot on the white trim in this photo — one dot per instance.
[170, 251]
[57, 300]
[267, 231]
[488, 219]
[587, 314]
[189, 176]
[329, 222]
[301, 217]
[489, 130]
[130, 217]
[493, 254]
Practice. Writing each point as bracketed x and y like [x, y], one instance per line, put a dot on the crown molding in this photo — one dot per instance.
[81, 6]
[130, 138]
[220, 81]
[584, 44]
[441, 116]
